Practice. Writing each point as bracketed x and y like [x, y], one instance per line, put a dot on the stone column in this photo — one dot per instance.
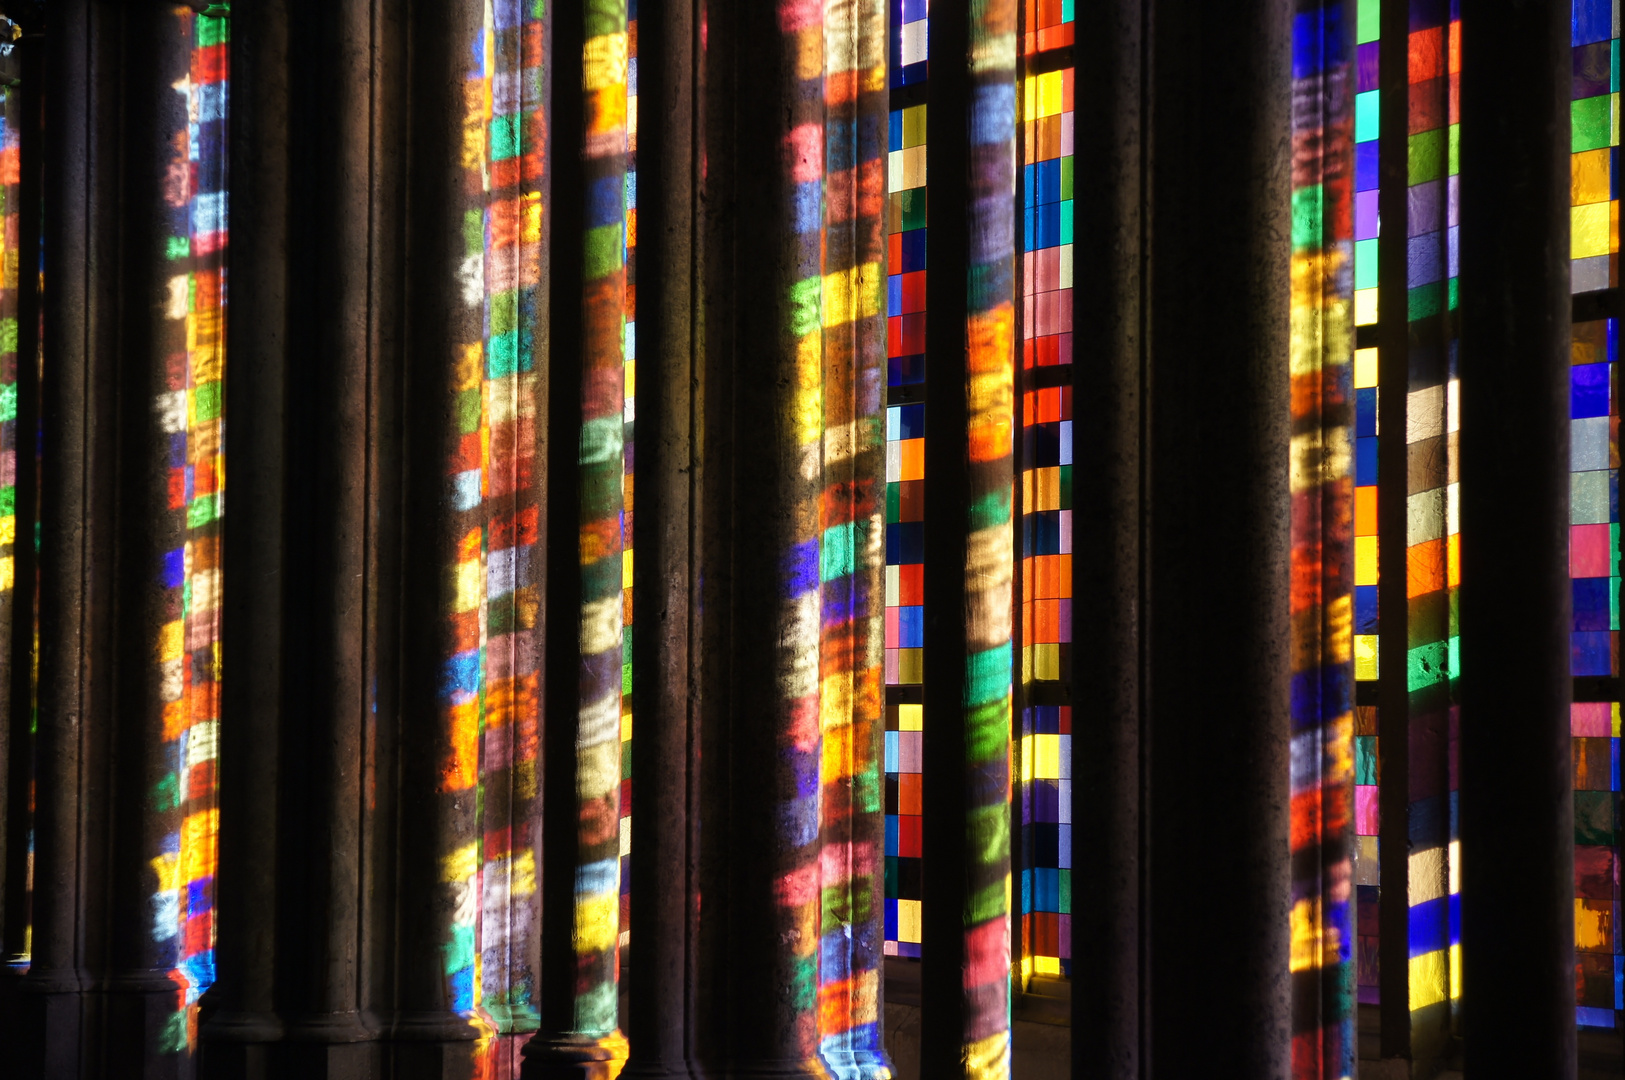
[76, 541]
[1218, 637]
[760, 562]
[665, 753]
[581, 737]
[853, 563]
[969, 476]
[243, 1019]
[1108, 293]
[1517, 827]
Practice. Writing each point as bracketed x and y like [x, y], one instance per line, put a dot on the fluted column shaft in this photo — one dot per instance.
[765, 171]
[665, 755]
[76, 543]
[969, 413]
[243, 1020]
[581, 739]
[24, 119]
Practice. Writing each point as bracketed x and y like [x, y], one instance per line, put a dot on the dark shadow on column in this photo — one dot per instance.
[1517, 807]
[1218, 641]
[1108, 935]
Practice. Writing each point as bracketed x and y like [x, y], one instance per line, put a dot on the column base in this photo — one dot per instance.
[143, 1021]
[566, 1057]
[53, 1028]
[325, 1061]
[329, 1046]
[237, 1045]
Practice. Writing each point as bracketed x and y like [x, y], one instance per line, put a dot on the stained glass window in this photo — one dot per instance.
[905, 472]
[1594, 221]
[1593, 566]
[1045, 490]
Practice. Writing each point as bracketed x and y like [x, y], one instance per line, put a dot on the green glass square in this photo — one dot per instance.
[1590, 118]
[1066, 487]
[911, 204]
[894, 503]
[1365, 759]
[1455, 149]
[1367, 115]
[1066, 891]
[1066, 221]
[1365, 264]
[1368, 21]
[1425, 301]
[1066, 177]
[1425, 156]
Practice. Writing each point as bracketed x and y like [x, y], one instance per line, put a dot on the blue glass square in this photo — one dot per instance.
[905, 543]
[1365, 609]
[1591, 603]
[913, 248]
[1365, 412]
[1365, 462]
[1365, 166]
[911, 421]
[1588, 390]
[910, 626]
[1590, 653]
[1593, 20]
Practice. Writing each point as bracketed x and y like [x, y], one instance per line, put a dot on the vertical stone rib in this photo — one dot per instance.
[24, 118]
[664, 860]
[852, 524]
[1107, 292]
[161, 850]
[764, 383]
[1218, 643]
[1517, 829]
[443, 555]
[969, 413]
[329, 575]
[244, 1019]
[580, 858]
[1393, 466]
[80, 235]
